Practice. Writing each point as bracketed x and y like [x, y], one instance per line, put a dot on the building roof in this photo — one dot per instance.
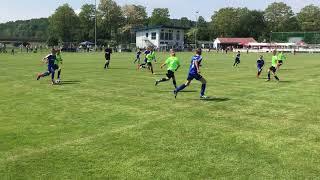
[159, 27]
[240, 41]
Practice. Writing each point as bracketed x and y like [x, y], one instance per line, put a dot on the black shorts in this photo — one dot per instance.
[280, 62]
[237, 61]
[56, 66]
[273, 69]
[149, 63]
[170, 74]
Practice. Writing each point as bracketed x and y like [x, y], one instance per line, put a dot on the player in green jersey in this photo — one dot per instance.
[58, 63]
[281, 58]
[273, 68]
[173, 64]
[151, 57]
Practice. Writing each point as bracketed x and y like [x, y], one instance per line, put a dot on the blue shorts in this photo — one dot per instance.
[194, 76]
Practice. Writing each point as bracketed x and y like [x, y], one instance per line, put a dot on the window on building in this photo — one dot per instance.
[154, 36]
[166, 36]
[170, 36]
[162, 35]
[147, 34]
[178, 38]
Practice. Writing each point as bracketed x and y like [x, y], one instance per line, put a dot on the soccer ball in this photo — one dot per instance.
[58, 81]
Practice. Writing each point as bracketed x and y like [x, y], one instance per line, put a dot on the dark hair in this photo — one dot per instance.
[199, 51]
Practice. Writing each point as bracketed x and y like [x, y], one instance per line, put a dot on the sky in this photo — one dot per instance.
[11, 10]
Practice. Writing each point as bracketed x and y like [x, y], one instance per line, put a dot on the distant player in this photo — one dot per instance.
[150, 58]
[107, 55]
[50, 60]
[237, 59]
[173, 65]
[194, 73]
[59, 62]
[146, 53]
[273, 68]
[138, 57]
[260, 64]
[281, 58]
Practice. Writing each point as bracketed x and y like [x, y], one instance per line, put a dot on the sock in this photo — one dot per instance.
[180, 88]
[203, 89]
[276, 78]
[269, 75]
[45, 74]
[52, 76]
[59, 73]
[175, 84]
[105, 65]
[163, 80]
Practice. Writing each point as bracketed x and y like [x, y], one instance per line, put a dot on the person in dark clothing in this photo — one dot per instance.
[107, 55]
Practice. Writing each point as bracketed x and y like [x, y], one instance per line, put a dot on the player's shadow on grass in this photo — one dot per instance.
[119, 68]
[286, 81]
[287, 69]
[187, 91]
[216, 99]
[69, 82]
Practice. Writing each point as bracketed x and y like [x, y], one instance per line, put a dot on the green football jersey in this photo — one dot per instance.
[173, 63]
[274, 61]
[58, 59]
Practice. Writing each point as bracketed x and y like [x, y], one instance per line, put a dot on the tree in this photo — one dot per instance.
[252, 24]
[280, 17]
[87, 22]
[203, 30]
[26, 29]
[52, 41]
[309, 18]
[185, 22]
[110, 20]
[226, 21]
[135, 15]
[160, 16]
[64, 23]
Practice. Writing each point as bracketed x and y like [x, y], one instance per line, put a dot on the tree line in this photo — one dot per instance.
[116, 24]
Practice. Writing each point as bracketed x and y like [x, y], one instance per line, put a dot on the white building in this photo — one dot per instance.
[160, 37]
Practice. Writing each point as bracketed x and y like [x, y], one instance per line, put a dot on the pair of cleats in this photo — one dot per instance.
[176, 94]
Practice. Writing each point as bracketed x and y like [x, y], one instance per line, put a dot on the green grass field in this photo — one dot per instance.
[116, 124]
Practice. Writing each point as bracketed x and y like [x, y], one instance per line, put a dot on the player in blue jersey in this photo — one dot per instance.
[50, 59]
[138, 57]
[260, 64]
[194, 73]
[237, 59]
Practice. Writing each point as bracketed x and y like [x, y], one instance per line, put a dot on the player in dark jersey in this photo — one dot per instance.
[138, 57]
[237, 59]
[107, 55]
[194, 73]
[260, 64]
[50, 59]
